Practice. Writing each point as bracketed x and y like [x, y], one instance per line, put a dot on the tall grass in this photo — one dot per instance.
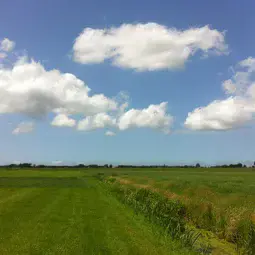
[170, 215]
[237, 229]
[245, 237]
[173, 215]
[217, 200]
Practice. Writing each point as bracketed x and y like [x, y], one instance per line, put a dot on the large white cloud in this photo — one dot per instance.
[24, 127]
[62, 120]
[233, 111]
[7, 45]
[155, 116]
[221, 114]
[29, 89]
[149, 46]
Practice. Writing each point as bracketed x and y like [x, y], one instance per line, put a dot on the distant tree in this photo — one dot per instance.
[25, 165]
[93, 166]
[13, 165]
[197, 165]
[81, 165]
[40, 166]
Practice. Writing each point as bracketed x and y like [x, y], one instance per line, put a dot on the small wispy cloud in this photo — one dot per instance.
[7, 45]
[110, 133]
[23, 127]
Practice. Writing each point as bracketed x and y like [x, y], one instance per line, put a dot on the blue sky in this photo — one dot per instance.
[46, 31]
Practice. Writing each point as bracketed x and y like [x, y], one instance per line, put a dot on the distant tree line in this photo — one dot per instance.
[239, 165]
[30, 165]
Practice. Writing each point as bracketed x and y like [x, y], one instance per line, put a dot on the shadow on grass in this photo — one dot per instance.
[42, 182]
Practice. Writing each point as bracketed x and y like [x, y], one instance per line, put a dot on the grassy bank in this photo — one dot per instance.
[220, 201]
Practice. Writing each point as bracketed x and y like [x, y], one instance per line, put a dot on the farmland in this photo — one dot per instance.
[219, 201]
[70, 212]
[92, 211]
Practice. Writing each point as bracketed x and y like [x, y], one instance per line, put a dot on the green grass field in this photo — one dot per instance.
[222, 187]
[221, 201]
[71, 212]
[82, 211]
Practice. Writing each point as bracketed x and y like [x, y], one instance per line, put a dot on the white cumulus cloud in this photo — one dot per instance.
[23, 127]
[62, 120]
[149, 46]
[100, 120]
[221, 114]
[29, 89]
[233, 111]
[7, 45]
[155, 116]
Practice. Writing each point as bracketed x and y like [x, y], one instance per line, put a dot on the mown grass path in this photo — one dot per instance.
[76, 215]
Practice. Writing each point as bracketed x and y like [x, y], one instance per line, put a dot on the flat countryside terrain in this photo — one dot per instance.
[72, 212]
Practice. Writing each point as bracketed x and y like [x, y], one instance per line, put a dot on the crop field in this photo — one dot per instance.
[127, 211]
